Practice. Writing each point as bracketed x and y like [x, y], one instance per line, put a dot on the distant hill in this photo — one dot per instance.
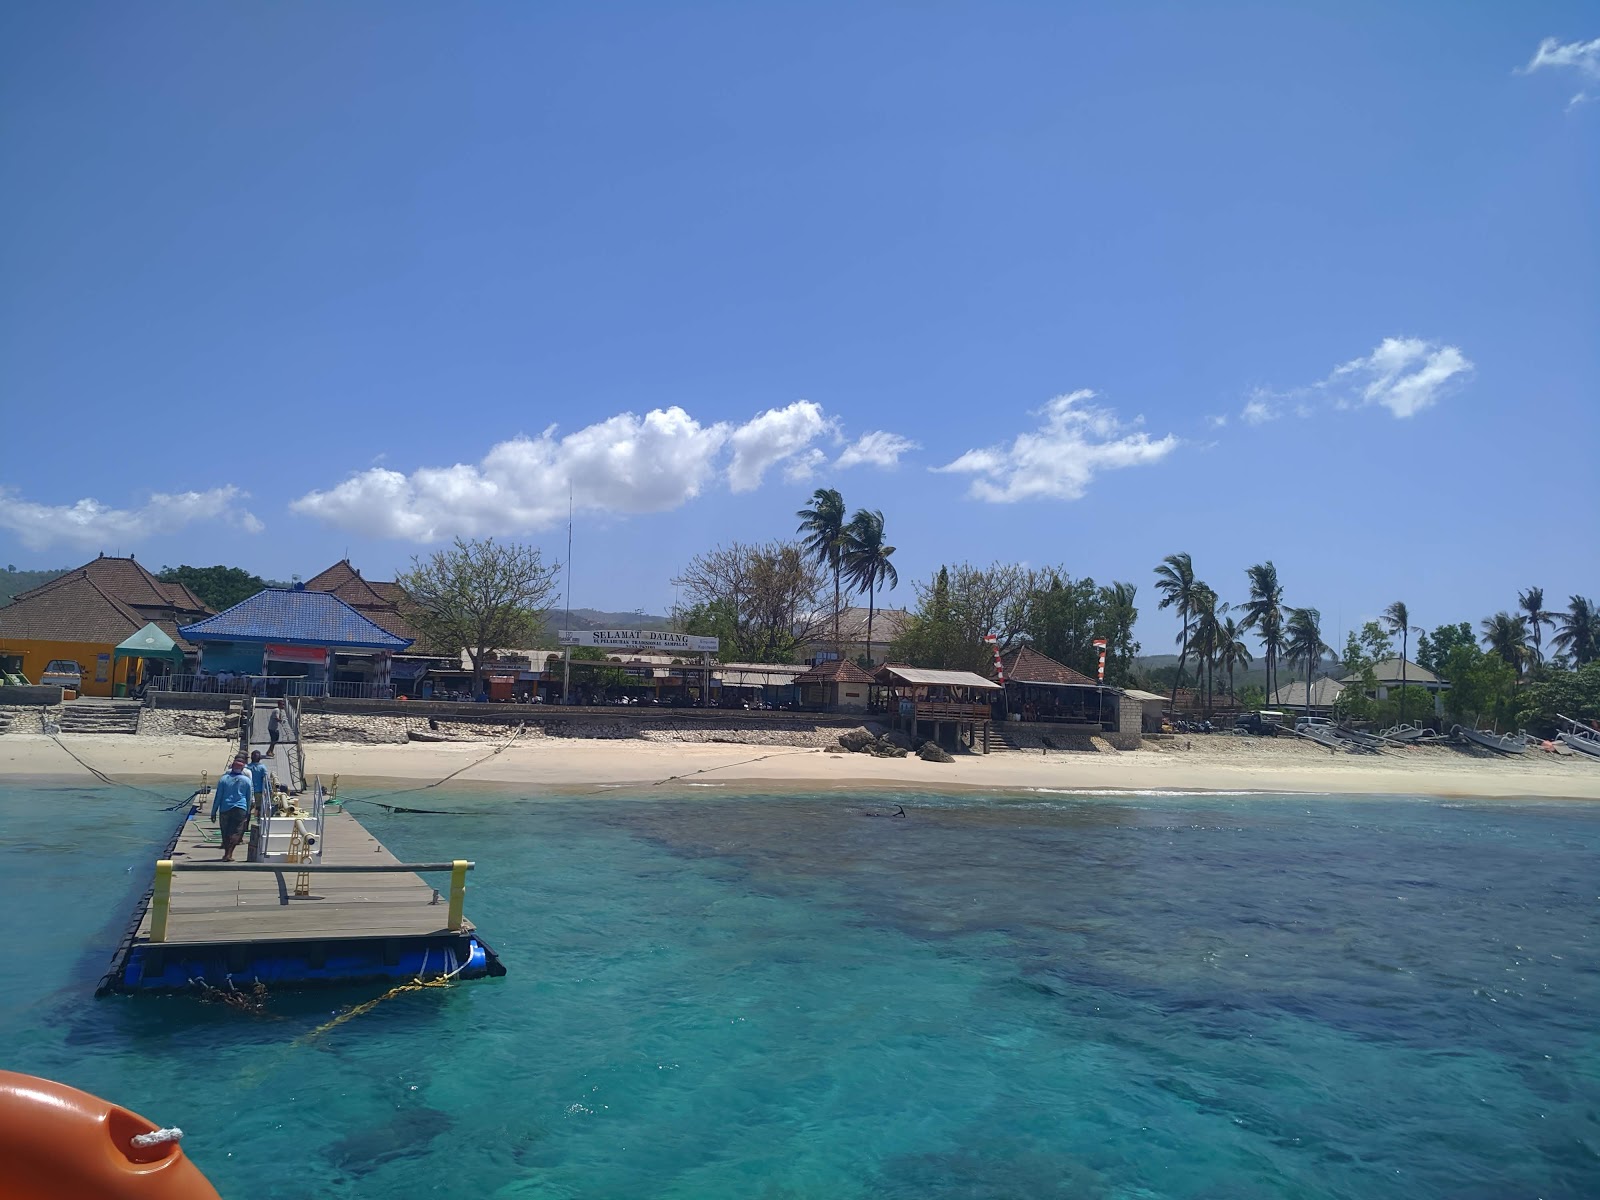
[594, 618]
[14, 582]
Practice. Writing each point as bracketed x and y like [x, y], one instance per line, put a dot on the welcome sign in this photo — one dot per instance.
[639, 639]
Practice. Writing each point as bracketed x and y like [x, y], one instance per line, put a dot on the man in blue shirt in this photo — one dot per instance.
[230, 806]
[262, 782]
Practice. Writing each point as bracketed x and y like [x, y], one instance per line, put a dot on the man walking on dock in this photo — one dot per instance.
[230, 806]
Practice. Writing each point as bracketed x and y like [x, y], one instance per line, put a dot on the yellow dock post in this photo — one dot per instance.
[161, 900]
[458, 892]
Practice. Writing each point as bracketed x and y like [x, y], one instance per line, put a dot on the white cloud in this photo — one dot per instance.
[802, 467]
[876, 449]
[625, 465]
[1405, 375]
[1582, 57]
[776, 436]
[88, 524]
[1073, 443]
[1260, 408]
[1218, 420]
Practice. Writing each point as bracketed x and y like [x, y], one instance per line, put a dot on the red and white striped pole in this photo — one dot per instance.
[999, 667]
[1100, 645]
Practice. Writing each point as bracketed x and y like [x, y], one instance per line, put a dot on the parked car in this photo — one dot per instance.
[62, 673]
[1262, 724]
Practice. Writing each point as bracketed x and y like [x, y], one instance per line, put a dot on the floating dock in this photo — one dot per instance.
[354, 914]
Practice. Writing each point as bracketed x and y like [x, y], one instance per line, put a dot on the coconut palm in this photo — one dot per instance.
[1175, 582]
[1578, 631]
[1206, 609]
[823, 525]
[866, 561]
[1305, 644]
[1507, 637]
[1232, 652]
[1397, 618]
[1264, 614]
[1531, 602]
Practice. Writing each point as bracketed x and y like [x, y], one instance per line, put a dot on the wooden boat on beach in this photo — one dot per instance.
[1504, 743]
[1579, 737]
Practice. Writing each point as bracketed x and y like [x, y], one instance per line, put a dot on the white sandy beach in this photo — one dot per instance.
[559, 765]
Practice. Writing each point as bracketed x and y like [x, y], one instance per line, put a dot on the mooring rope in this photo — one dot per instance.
[110, 782]
[434, 812]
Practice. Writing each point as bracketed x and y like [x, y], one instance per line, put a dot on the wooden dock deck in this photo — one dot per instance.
[224, 907]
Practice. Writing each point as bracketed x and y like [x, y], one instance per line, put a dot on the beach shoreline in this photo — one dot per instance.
[568, 767]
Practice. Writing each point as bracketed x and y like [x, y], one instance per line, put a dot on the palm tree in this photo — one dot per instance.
[1305, 643]
[1232, 652]
[1398, 620]
[1264, 614]
[823, 525]
[866, 561]
[1507, 637]
[1578, 631]
[1119, 613]
[1175, 582]
[1531, 602]
[1206, 609]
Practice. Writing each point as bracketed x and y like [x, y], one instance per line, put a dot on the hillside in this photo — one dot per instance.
[14, 582]
[594, 618]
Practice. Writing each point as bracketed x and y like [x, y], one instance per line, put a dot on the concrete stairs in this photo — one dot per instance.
[5, 722]
[1001, 741]
[100, 716]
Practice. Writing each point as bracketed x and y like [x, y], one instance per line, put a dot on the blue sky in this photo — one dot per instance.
[1318, 286]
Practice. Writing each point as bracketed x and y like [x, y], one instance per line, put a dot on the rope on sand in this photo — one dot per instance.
[434, 812]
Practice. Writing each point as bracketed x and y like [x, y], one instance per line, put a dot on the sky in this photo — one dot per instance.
[1059, 284]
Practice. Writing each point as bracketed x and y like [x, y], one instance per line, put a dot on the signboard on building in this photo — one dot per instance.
[297, 654]
[639, 639]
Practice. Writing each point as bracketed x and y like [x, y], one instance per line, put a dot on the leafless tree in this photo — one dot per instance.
[764, 600]
[479, 596]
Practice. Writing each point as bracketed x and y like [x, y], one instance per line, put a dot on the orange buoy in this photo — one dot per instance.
[56, 1141]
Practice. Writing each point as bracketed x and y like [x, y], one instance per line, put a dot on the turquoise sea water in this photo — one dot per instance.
[722, 996]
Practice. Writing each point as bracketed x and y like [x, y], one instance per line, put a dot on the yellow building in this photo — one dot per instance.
[84, 615]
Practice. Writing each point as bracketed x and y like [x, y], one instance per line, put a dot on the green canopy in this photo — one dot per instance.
[150, 642]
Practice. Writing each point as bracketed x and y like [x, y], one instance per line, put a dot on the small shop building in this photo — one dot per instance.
[295, 642]
[953, 708]
[837, 685]
[1040, 689]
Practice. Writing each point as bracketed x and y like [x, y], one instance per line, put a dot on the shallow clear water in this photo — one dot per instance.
[721, 996]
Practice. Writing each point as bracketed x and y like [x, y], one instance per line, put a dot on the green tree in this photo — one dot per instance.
[1398, 619]
[824, 527]
[957, 609]
[1207, 613]
[1375, 642]
[1232, 652]
[1264, 614]
[867, 561]
[1117, 615]
[1355, 656]
[219, 587]
[1531, 602]
[479, 596]
[1574, 694]
[1578, 631]
[1252, 697]
[1305, 644]
[1481, 686]
[1442, 643]
[1507, 637]
[1176, 583]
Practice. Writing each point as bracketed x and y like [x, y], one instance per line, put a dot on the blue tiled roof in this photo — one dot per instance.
[294, 616]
